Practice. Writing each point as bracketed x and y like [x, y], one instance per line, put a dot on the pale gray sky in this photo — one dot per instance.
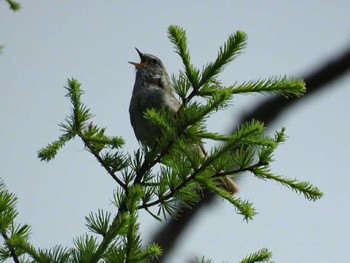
[47, 42]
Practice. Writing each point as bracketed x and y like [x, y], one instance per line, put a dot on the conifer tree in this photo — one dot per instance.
[163, 180]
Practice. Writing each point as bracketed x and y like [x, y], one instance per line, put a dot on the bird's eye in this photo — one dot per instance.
[153, 61]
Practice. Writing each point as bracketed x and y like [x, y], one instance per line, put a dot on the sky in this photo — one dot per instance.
[47, 42]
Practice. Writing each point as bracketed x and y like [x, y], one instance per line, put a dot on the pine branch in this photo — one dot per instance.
[250, 168]
[49, 152]
[186, 172]
[267, 111]
[14, 6]
[286, 87]
[172, 192]
[94, 138]
[245, 208]
[310, 192]
[118, 226]
[203, 260]
[185, 119]
[57, 254]
[12, 233]
[178, 37]
[11, 249]
[98, 223]
[101, 161]
[262, 255]
[148, 164]
[228, 52]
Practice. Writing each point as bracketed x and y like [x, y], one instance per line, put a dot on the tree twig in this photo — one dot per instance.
[12, 251]
[267, 111]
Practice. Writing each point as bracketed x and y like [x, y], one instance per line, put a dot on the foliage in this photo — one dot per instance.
[14, 6]
[262, 255]
[172, 175]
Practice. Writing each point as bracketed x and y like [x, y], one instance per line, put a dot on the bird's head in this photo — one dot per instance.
[149, 64]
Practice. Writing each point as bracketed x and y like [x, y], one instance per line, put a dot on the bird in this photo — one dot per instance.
[153, 90]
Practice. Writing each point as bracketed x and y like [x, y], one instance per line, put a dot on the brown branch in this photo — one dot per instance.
[267, 111]
[240, 170]
[100, 160]
[176, 189]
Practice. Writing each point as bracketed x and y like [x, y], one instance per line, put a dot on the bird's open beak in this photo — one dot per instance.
[143, 61]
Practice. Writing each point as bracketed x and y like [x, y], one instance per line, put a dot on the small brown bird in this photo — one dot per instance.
[152, 89]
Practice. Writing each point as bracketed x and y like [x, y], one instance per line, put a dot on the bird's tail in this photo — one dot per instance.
[227, 183]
